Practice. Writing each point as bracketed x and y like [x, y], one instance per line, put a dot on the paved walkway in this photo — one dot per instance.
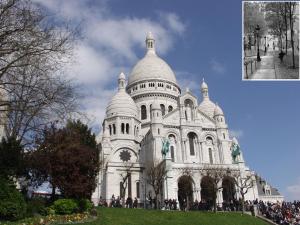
[265, 68]
[270, 67]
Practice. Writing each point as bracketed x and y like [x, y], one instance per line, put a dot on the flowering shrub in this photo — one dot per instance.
[57, 219]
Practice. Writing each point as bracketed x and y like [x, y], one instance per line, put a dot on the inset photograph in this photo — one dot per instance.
[270, 40]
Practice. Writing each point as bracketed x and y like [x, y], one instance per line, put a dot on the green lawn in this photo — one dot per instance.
[116, 216]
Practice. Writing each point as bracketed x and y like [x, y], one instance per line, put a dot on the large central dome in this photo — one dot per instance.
[151, 66]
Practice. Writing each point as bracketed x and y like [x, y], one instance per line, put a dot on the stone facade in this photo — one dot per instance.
[149, 109]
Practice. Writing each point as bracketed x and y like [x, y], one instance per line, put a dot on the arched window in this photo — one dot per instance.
[210, 156]
[122, 128]
[150, 111]
[114, 128]
[158, 131]
[172, 138]
[170, 108]
[109, 129]
[138, 189]
[143, 112]
[224, 135]
[163, 109]
[172, 153]
[209, 140]
[192, 137]
[127, 128]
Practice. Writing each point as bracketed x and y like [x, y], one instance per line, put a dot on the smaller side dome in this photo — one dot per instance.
[218, 111]
[121, 104]
[208, 107]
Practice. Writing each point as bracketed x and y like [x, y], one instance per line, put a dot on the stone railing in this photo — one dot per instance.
[250, 66]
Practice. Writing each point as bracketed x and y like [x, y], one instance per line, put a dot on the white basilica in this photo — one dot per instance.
[150, 108]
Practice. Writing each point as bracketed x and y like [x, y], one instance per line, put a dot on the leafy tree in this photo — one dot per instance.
[12, 204]
[68, 158]
[276, 19]
[11, 158]
[253, 16]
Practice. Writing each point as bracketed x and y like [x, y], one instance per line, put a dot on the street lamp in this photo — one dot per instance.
[257, 35]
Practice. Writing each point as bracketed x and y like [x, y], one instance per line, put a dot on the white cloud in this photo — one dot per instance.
[217, 66]
[184, 82]
[294, 190]
[174, 22]
[236, 133]
[109, 46]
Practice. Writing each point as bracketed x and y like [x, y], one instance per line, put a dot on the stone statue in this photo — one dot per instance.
[235, 150]
[165, 147]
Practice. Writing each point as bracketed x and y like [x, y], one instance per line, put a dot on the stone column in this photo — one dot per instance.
[186, 149]
[131, 128]
[199, 151]
[183, 150]
[118, 126]
[220, 194]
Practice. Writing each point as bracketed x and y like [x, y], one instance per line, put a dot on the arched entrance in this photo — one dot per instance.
[185, 192]
[228, 190]
[207, 192]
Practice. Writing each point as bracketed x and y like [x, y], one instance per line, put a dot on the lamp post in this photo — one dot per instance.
[257, 35]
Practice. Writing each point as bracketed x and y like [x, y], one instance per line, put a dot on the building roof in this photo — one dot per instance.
[260, 187]
[218, 111]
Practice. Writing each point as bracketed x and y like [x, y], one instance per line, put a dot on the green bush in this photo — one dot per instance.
[36, 206]
[84, 205]
[65, 206]
[12, 204]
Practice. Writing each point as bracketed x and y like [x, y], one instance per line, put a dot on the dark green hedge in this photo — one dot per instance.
[12, 203]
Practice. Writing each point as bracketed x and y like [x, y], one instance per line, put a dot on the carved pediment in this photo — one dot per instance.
[204, 119]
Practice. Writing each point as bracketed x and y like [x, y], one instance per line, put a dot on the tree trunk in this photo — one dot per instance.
[280, 38]
[292, 32]
[243, 202]
[286, 27]
[53, 193]
[215, 201]
[156, 202]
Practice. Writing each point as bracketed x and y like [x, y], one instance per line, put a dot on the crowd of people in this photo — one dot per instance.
[285, 213]
[117, 202]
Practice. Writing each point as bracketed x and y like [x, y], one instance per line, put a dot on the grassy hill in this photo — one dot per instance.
[116, 216]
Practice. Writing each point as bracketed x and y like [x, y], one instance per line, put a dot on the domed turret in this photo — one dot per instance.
[206, 106]
[121, 103]
[204, 86]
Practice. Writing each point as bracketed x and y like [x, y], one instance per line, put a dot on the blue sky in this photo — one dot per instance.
[198, 39]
